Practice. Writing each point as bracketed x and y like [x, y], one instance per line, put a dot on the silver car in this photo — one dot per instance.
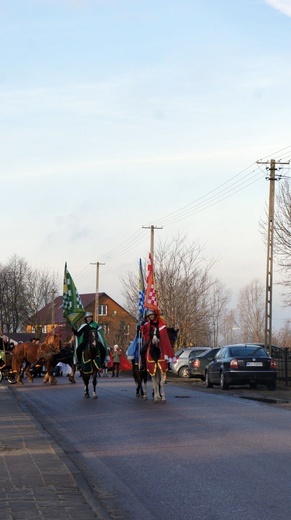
[180, 367]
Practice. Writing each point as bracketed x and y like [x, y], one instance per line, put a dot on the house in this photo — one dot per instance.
[118, 325]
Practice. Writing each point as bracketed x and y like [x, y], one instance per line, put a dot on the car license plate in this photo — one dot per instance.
[254, 364]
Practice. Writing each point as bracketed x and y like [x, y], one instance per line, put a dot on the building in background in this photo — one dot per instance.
[118, 325]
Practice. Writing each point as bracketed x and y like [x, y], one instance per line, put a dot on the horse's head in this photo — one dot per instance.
[54, 341]
[173, 335]
[93, 338]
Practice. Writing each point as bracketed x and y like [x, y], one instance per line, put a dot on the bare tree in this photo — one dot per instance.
[230, 330]
[41, 287]
[183, 284]
[282, 236]
[13, 293]
[23, 291]
[250, 312]
[283, 336]
[220, 298]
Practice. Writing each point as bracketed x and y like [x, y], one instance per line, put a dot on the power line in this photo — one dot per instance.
[227, 189]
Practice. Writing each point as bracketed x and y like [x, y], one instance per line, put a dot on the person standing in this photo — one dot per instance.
[116, 361]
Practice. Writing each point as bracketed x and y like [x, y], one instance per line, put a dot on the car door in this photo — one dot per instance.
[214, 367]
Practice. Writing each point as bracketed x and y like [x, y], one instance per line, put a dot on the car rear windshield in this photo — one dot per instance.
[248, 351]
[179, 352]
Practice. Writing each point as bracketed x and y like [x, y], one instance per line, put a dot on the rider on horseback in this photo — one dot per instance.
[83, 336]
[154, 332]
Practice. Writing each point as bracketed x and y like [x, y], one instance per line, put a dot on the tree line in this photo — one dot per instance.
[192, 300]
[23, 292]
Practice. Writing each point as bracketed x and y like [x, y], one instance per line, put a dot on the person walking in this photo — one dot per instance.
[116, 361]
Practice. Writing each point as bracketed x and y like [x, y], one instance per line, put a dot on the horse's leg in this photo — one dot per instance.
[156, 390]
[144, 384]
[94, 382]
[28, 374]
[18, 371]
[86, 379]
[162, 387]
[145, 396]
[138, 383]
[72, 374]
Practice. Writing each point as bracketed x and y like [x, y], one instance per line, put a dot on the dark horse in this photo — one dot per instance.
[66, 355]
[140, 372]
[93, 357]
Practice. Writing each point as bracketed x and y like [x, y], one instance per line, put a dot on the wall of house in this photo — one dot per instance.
[118, 325]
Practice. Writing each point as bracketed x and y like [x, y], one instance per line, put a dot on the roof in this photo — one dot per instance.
[44, 315]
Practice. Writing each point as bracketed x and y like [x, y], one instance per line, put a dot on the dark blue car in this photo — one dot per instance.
[240, 365]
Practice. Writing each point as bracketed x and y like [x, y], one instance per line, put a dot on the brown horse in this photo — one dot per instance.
[30, 353]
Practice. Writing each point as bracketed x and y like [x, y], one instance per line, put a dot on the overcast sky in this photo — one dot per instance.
[116, 114]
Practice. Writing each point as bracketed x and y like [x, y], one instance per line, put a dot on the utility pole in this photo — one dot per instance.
[152, 228]
[53, 309]
[270, 246]
[96, 311]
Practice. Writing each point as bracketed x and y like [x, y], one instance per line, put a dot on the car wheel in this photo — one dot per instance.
[253, 385]
[223, 384]
[208, 384]
[272, 386]
[184, 372]
[11, 379]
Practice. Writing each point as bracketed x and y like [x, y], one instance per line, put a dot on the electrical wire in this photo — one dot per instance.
[237, 183]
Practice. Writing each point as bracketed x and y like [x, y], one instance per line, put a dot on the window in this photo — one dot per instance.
[106, 328]
[126, 330]
[102, 310]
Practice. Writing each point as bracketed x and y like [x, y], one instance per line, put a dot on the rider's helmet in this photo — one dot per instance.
[88, 315]
[150, 312]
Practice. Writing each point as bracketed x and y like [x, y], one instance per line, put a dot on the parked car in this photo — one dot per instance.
[242, 364]
[180, 366]
[198, 363]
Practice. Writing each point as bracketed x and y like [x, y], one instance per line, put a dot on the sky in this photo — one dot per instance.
[116, 115]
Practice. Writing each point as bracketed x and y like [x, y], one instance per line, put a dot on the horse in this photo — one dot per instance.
[66, 355]
[93, 357]
[31, 354]
[135, 355]
[157, 365]
[140, 377]
[150, 361]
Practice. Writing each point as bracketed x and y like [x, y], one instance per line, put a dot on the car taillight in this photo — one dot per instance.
[233, 363]
[273, 364]
[196, 363]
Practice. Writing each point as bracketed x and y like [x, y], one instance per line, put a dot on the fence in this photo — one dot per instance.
[284, 366]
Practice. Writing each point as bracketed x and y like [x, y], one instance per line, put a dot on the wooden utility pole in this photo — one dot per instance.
[270, 247]
[53, 309]
[96, 311]
[152, 228]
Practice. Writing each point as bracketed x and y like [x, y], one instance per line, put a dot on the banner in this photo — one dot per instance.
[73, 308]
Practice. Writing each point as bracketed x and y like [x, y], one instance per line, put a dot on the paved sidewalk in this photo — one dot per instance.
[37, 481]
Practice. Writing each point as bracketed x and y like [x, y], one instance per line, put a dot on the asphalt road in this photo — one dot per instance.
[209, 455]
